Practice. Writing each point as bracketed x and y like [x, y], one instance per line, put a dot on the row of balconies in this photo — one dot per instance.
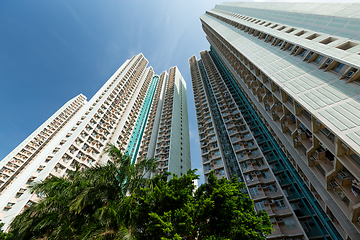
[150, 123]
[252, 165]
[303, 140]
[346, 72]
[263, 150]
[16, 165]
[327, 134]
[213, 165]
[57, 169]
[258, 177]
[305, 117]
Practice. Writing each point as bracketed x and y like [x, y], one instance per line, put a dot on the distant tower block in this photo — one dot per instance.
[140, 112]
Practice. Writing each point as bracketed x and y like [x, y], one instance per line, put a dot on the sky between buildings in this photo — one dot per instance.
[50, 51]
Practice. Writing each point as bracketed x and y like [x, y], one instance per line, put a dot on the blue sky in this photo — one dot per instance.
[50, 51]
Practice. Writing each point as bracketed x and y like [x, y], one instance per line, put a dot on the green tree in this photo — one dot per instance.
[217, 210]
[118, 201]
[4, 236]
[85, 204]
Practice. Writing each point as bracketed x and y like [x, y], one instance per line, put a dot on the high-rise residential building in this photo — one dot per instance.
[140, 112]
[277, 104]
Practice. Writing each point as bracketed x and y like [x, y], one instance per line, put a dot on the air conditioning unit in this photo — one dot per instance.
[350, 74]
[271, 201]
[328, 62]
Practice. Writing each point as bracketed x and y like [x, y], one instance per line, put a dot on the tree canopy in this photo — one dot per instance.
[118, 201]
[86, 204]
[216, 210]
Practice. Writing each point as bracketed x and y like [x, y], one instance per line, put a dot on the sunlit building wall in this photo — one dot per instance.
[277, 103]
[123, 112]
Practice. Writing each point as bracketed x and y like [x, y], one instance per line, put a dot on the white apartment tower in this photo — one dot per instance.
[277, 99]
[142, 113]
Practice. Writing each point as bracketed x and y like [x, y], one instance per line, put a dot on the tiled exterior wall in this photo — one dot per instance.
[78, 133]
[173, 143]
[230, 148]
[304, 85]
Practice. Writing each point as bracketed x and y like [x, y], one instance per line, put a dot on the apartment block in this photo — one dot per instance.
[130, 110]
[277, 104]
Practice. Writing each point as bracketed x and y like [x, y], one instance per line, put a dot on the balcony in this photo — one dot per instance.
[289, 124]
[303, 140]
[323, 158]
[305, 118]
[279, 210]
[12, 166]
[327, 137]
[3, 176]
[346, 188]
[277, 231]
[282, 179]
[278, 108]
[72, 150]
[272, 191]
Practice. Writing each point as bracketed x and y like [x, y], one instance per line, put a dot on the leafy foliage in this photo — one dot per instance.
[86, 204]
[4, 236]
[217, 210]
[118, 201]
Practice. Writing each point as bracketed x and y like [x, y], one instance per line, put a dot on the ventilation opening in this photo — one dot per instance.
[312, 36]
[281, 28]
[328, 40]
[300, 33]
[347, 46]
[290, 30]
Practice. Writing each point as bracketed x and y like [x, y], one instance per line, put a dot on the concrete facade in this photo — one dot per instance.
[125, 109]
[294, 68]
